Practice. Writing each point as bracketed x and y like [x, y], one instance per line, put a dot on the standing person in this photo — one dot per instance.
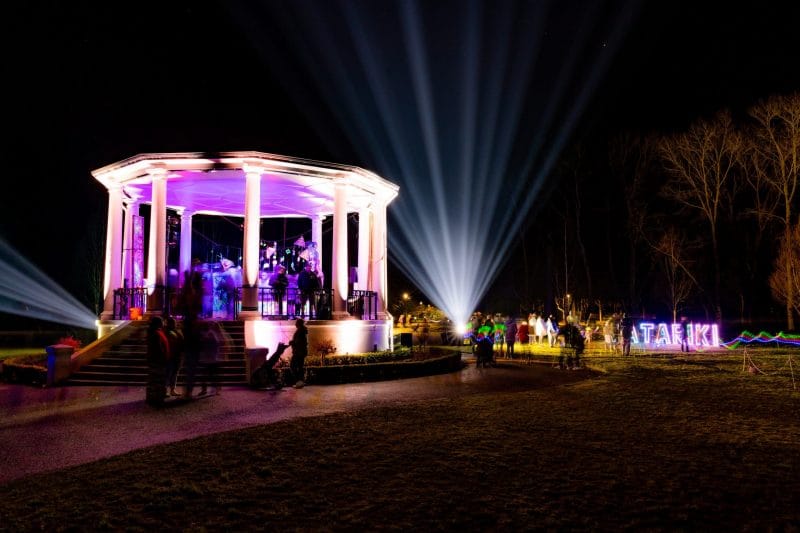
[615, 331]
[484, 350]
[175, 339]
[308, 283]
[627, 333]
[684, 334]
[299, 344]
[192, 304]
[279, 281]
[424, 333]
[539, 329]
[608, 334]
[552, 331]
[511, 336]
[212, 353]
[157, 357]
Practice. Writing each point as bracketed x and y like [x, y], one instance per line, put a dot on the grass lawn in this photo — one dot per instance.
[8, 353]
[652, 443]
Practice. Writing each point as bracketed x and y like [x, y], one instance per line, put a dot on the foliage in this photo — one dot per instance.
[361, 359]
[325, 347]
[69, 340]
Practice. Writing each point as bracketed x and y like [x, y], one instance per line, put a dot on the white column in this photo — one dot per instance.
[131, 210]
[113, 266]
[339, 252]
[378, 257]
[316, 236]
[185, 253]
[363, 248]
[157, 254]
[252, 228]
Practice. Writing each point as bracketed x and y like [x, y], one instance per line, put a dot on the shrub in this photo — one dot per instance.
[69, 340]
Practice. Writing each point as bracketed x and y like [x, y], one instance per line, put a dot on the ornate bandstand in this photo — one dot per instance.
[347, 309]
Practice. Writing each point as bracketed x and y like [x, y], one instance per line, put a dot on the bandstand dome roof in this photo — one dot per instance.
[214, 184]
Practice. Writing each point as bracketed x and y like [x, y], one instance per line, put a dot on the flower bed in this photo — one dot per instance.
[379, 367]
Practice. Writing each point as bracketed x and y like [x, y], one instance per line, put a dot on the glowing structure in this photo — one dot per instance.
[663, 334]
[253, 185]
[762, 338]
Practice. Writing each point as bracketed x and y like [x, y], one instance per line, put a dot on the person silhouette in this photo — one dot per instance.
[684, 334]
[299, 344]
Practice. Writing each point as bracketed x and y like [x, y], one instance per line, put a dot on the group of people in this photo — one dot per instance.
[308, 282]
[199, 347]
[618, 327]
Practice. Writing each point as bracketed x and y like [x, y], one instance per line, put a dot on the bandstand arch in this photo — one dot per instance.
[252, 185]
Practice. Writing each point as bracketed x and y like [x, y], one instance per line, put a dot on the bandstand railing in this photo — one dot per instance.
[130, 303]
[292, 303]
[363, 305]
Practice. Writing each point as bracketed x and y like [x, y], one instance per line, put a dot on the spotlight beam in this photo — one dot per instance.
[464, 112]
[27, 291]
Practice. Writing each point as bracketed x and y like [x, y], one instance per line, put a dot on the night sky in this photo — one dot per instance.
[87, 85]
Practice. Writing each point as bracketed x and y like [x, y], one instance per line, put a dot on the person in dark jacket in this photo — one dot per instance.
[299, 344]
[279, 281]
[157, 357]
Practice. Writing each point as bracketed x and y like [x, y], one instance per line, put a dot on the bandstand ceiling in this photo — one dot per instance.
[290, 187]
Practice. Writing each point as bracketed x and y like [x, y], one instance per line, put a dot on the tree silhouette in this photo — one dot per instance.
[702, 164]
[775, 163]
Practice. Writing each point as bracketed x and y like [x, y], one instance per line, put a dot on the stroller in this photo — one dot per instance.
[266, 376]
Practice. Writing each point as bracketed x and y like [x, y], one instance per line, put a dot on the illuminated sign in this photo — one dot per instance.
[663, 334]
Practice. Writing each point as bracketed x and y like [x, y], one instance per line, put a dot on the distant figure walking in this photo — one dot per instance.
[684, 334]
[175, 338]
[192, 306]
[539, 329]
[299, 344]
[424, 334]
[212, 346]
[608, 334]
[552, 331]
[157, 357]
[511, 336]
[627, 334]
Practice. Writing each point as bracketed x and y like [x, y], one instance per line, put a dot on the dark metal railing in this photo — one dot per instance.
[363, 305]
[293, 303]
[127, 299]
[131, 303]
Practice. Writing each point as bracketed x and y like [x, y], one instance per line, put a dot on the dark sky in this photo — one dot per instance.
[87, 84]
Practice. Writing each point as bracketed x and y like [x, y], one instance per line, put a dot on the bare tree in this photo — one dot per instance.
[631, 158]
[775, 165]
[673, 248]
[702, 164]
[785, 279]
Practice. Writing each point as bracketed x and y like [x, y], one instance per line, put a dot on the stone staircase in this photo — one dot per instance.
[126, 364]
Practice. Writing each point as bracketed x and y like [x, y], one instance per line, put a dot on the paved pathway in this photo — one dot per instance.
[48, 429]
